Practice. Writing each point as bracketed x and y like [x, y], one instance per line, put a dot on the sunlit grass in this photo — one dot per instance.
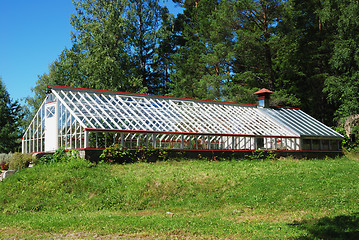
[278, 199]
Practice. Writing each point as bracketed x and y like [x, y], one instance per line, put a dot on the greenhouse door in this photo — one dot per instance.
[51, 129]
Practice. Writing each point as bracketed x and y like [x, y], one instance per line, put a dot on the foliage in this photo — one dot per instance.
[10, 118]
[189, 67]
[261, 155]
[20, 161]
[59, 156]
[303, 56]
[5, 158]
[342, 84]
[305, 51]
[169, 41]
[118, 154]
[283, 199]
[144, 22]
[349, 144]
[283, 98]
[71, 159]
[151, 155]
[113, 48]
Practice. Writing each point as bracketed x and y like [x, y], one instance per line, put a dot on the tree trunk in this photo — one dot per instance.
[351, 121]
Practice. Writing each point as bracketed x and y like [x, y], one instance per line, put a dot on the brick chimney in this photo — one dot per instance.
[263, 97]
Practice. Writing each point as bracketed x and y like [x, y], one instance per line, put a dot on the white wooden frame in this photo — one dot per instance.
[85, 116]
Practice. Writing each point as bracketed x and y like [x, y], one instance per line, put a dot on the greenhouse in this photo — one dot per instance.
[89, 119]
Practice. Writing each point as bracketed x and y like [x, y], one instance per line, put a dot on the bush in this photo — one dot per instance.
[58, 156]
[70, 159]
[19, 161]
[261, 155]
[151, 155]
[5, 158]
[118, 154]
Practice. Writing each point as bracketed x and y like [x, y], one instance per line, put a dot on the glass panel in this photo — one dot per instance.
[50, 112]
[307, 144]
[335, 145]
[260, 143]
[325, 144]
[315, 144]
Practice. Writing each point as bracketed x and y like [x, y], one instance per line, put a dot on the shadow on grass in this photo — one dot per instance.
[339, 227]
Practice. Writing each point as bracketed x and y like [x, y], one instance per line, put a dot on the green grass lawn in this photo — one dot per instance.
[282, 199]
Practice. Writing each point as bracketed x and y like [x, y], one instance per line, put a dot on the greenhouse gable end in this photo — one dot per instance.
[78, 118]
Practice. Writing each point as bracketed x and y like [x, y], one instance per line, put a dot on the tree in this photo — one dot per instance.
[100, 48]
[170, 41]
[217, 49]
[100, 53]
[10, 118]
[190, 72]
[219, 54]
[342, 84]
[256, 24]
[230, 50]
[303, 56]
[144, 23]
[113, 48]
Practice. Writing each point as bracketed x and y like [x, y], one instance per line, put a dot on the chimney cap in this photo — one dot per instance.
[263, 91]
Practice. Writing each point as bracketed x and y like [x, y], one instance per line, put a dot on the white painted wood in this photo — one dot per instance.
[51, 127]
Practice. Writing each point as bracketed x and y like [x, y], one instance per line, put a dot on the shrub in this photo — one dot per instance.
[151, 155]
[58, 156]
[118, 154]
[5, 159]
[261, 155]
[71, 159]
[19, 161]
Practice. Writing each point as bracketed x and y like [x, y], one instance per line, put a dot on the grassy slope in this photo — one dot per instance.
[240, 199]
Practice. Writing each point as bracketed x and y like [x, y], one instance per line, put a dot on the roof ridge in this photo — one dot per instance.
[149, 95]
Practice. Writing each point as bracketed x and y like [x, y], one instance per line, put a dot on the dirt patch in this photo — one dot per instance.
[17, 233]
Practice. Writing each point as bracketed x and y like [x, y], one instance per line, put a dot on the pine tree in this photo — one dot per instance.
[303, 56]
[189, 65]
[342, 84]
[10, 117]
[256, 40]
[144, 22]
[170, 40]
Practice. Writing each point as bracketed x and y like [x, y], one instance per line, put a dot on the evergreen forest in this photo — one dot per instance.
[305, 51]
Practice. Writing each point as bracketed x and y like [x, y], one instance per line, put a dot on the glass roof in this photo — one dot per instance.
[99, 109]
[111, 110]
[301, 123]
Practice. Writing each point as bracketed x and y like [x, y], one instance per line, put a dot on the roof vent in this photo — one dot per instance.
[263, 97]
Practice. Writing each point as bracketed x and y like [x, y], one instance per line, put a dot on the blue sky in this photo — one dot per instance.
[32, 34]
